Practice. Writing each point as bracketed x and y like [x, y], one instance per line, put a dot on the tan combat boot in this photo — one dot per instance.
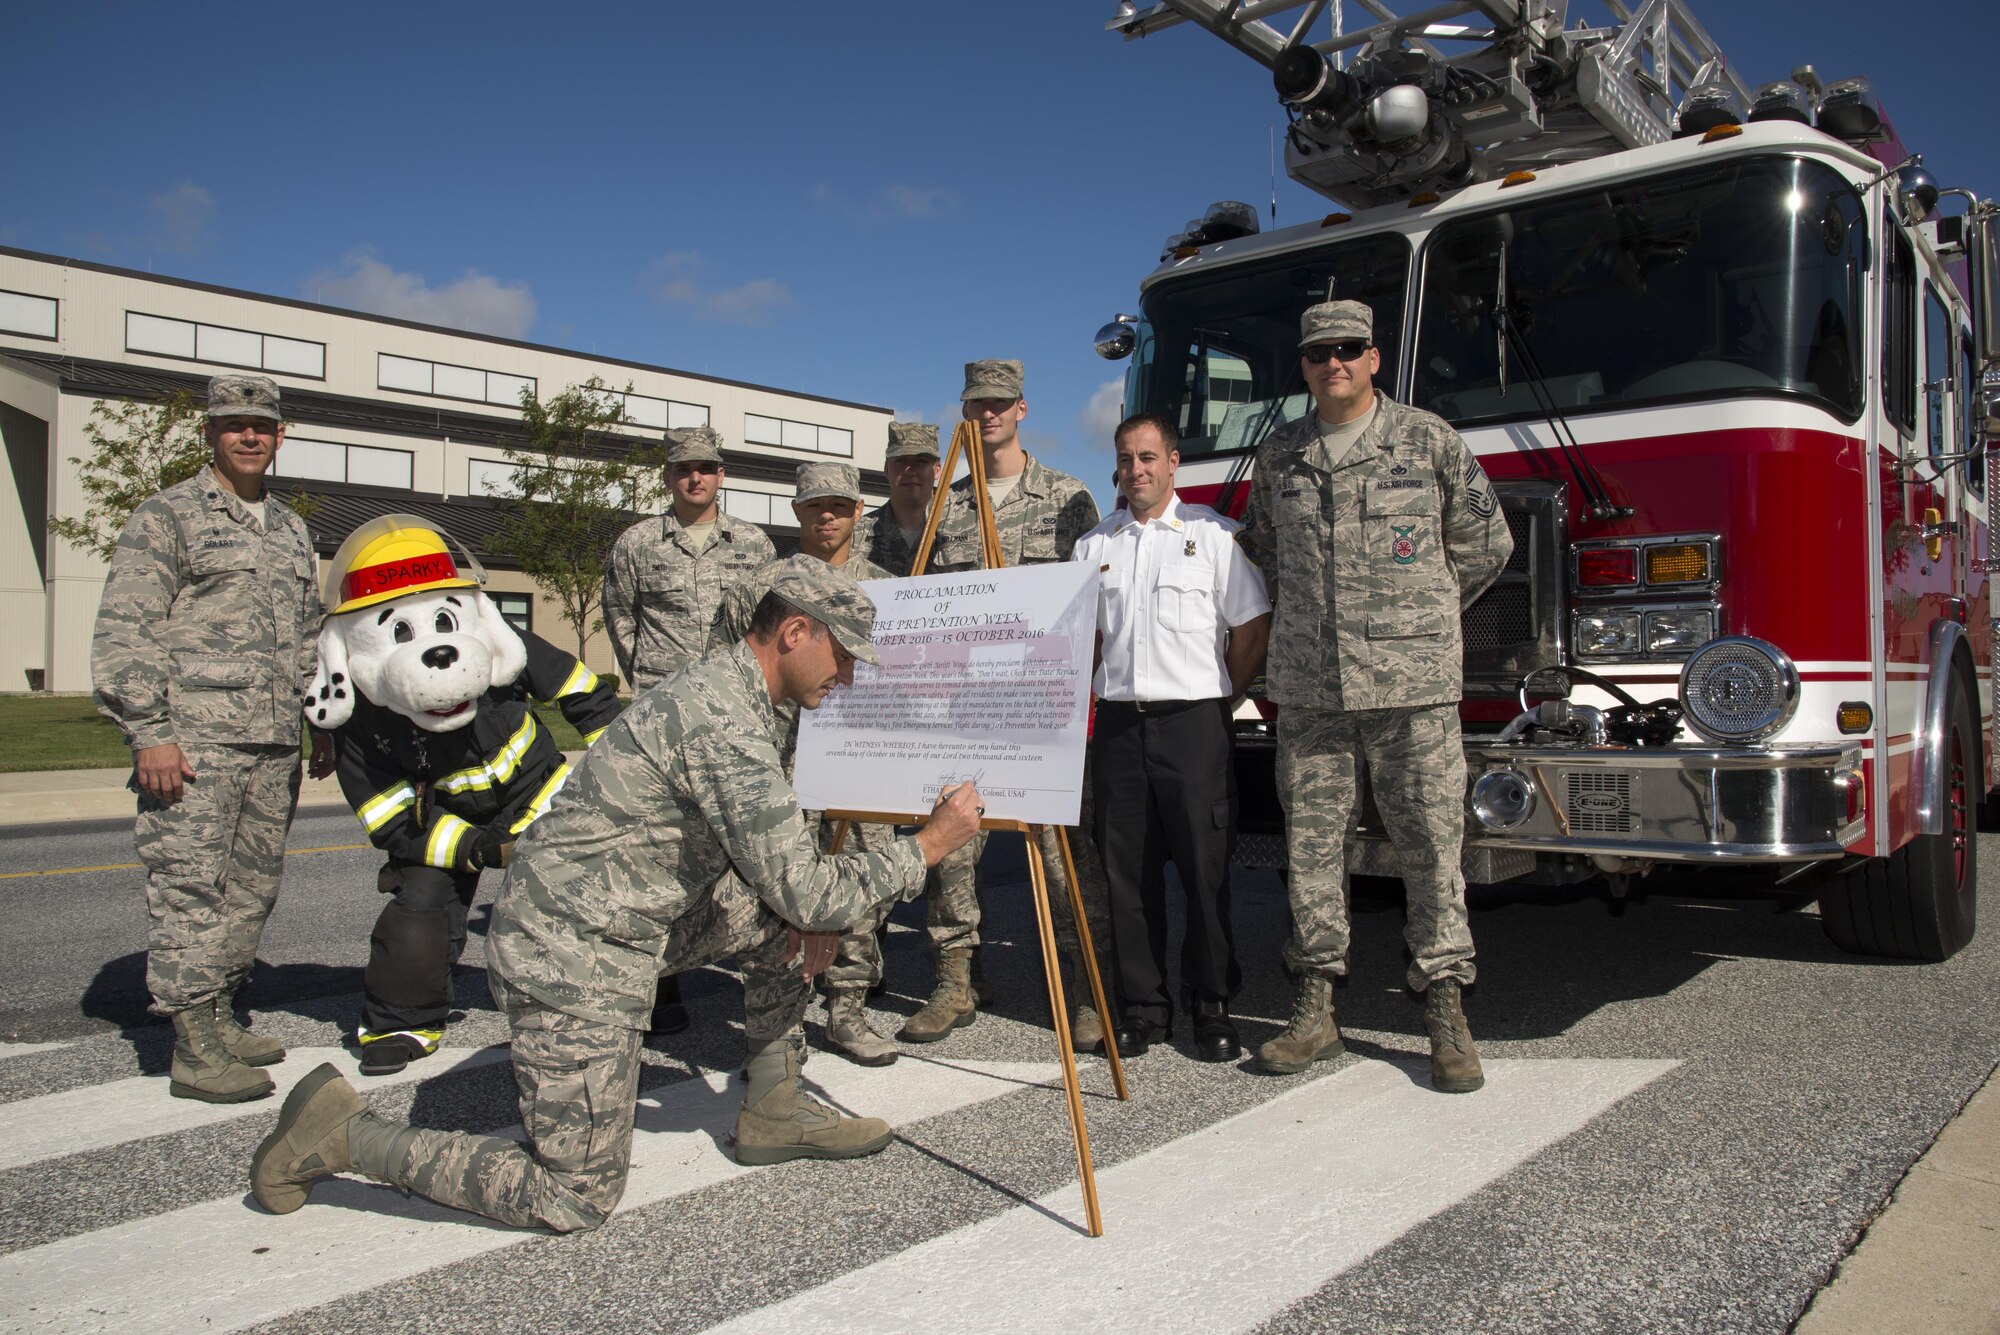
[248, 1048]
[309, 1141]
[1312, 1036]
[204, 1069]
[1086, 1031]
[780, 1122]
[849, 1033]
[1454, 1061]
[951, 1005]
[982, 991]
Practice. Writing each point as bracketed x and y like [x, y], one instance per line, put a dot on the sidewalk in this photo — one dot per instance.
[56, 796]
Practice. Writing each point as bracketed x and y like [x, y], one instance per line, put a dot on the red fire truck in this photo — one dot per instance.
[1722, 352]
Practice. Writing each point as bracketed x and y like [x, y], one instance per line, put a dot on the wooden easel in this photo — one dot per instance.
[966, 438]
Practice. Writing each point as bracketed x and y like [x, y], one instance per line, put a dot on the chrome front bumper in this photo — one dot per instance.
[1676, 803]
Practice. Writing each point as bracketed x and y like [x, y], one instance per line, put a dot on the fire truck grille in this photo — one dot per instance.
[1522, 526]
[1599, 801]
[1504, 615]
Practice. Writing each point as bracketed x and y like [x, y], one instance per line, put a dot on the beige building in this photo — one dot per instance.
[384, 415]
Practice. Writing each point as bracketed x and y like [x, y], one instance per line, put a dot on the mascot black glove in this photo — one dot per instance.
[491, 847]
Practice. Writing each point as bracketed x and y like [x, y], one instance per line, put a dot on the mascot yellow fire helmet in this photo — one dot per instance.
[397, 554]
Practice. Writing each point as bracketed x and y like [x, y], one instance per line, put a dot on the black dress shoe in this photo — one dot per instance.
[1215, 1033]
[1135, 1036]
[669, 1016]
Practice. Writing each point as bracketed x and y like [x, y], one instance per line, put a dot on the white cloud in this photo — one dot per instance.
[475, 301]
[680, 278]
[892, 203]
[182, 216]
[1102, 414]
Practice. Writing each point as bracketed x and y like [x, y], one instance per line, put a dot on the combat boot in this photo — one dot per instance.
[1313, 1034]
[248, 1048]
[1086, 1031]
[313, 1139]
[780, 1122]
[1455, 1065]
[849, 1033]
[982, 991]
[204, 1069]
[951, 1005]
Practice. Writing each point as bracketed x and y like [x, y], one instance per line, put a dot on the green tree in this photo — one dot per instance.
[575, 486]
[137, 449]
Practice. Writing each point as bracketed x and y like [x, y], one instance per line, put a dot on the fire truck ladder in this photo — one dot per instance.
[1383, 113]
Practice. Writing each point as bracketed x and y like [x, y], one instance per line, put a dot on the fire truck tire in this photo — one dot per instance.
[1920, 902]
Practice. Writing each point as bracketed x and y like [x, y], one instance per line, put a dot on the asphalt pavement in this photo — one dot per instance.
[1695, 1108]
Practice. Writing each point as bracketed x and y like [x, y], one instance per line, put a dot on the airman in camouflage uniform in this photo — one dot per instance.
[663, 584]
[677, 841]
[1375, 526]
[205, 640]
[666, 576]
[889, 535]
[827, 498]
[1040, 513]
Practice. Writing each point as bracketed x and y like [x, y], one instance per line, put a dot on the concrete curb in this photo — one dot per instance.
[59, 797]
[1930, 1260]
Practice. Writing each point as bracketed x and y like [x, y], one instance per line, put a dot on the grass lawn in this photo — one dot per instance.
[40, 732]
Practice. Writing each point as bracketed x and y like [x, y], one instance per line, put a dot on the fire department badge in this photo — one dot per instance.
[1188, 550]
[1403, 549]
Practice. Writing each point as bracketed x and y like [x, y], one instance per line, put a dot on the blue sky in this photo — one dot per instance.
[845, 199]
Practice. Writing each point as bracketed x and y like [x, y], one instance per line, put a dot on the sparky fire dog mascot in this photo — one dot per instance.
[426, 690]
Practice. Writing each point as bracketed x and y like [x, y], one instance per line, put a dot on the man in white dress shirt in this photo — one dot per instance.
[1182, 621]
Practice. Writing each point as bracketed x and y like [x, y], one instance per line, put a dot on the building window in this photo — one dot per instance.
[25, 313]
[516, 609]
[758, 507]
[490, 477]
[788, 435]
[442, 380]
[326, 461]
[659, 414]
[223, 346]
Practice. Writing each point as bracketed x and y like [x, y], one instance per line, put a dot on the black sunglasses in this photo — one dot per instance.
[1348, 349]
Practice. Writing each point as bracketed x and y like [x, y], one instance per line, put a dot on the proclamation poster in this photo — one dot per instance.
[985, 675]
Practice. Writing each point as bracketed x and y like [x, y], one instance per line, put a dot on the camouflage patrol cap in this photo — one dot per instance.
[993, 380]
[910, 439]
[693, 445]
[243, 396]
[1331, 321]
[828, 479]
[833, 600]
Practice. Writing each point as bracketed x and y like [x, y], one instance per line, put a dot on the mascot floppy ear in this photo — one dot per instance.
[510, 652]
[330, 696]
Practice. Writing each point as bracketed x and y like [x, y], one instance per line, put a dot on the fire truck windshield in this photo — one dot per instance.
[1219, 352]
[1742, 279]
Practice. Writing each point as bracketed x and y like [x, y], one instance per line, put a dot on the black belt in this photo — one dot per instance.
[1156, 706]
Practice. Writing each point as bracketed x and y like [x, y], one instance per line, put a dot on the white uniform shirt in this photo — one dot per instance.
[1168, 592]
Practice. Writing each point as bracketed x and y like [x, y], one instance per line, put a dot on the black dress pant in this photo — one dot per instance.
[1164, 780]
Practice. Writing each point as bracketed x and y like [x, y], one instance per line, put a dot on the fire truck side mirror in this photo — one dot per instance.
[1116, 340]
[1982, 260]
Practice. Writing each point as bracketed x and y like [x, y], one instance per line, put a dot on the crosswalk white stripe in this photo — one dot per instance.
[354, 1235]
[26, 1049]
[97, 1117]
[1221, 1229]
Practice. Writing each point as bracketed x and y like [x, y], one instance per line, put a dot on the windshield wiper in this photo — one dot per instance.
[1588, 480]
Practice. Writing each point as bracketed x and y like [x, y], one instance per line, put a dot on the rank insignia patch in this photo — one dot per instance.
[1403, 548]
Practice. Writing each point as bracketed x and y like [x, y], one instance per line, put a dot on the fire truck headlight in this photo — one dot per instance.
[1738, 689]
[1600, 633]
[1502, 799]
[1678, 630]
